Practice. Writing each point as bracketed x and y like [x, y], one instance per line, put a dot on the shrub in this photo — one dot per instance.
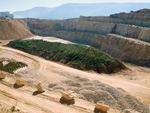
[11, 66]
[77, 56]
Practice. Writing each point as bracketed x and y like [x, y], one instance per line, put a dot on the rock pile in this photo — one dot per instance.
[95, 91]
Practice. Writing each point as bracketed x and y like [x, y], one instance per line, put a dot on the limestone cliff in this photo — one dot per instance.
[108, 37]
[141, 33]
[69, 25]
[140, 18]
[127, 49]
[13, 29]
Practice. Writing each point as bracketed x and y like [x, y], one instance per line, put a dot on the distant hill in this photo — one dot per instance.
[74, 10]
[37, 12]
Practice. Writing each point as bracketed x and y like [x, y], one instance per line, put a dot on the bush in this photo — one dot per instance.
[11, 66]
[77, 56]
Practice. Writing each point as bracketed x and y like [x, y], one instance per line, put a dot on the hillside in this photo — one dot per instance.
[79, 9]
[37, 12]
[13, 29]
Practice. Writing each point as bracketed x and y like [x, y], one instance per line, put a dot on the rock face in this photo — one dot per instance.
[13, 29]
[102, 28]
[130, 50]
[133, 31]
[141, 18]
[124, 41]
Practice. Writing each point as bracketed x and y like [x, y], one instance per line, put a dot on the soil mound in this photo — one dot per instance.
[13, 29]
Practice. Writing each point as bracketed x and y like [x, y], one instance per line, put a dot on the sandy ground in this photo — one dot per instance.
[50, 39]
[135, 81]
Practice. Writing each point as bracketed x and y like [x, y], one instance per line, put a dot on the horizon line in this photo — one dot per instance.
[80, 3]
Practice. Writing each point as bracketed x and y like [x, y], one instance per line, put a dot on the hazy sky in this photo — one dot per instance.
[17, 5]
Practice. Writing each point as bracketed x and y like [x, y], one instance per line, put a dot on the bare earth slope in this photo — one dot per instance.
[13, 29]
[135, 81]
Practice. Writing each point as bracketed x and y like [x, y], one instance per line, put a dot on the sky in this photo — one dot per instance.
[19, 5]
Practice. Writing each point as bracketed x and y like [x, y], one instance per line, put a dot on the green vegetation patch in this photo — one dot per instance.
[10, 66]
[77, 56]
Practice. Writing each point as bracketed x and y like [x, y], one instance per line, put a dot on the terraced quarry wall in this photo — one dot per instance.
[101, 28]
[134, 21]
[13, 29]
[140, 18]
[127, 42]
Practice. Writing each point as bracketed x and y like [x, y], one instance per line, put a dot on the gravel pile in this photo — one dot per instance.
[95, 91]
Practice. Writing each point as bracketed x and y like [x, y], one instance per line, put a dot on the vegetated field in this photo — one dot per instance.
[77, 56]
[10, 65]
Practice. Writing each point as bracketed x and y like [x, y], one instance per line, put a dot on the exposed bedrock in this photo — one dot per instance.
[124, 48]
[140, 17]
[13, 29]
[69, 25]
[130, 50]
[138, 22]
[141, 33]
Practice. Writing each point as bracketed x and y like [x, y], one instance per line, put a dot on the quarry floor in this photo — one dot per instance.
[135, 80]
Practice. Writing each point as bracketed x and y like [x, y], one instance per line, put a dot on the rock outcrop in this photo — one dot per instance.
[101, 28]
[13, 29]
[130, 50]
[140, 17]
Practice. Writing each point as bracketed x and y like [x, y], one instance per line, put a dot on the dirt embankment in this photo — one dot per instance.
[13, 29]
